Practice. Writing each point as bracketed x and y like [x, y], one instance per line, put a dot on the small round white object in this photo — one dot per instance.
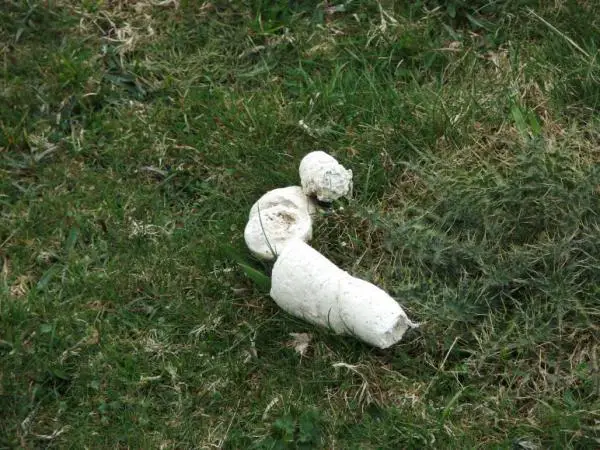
[322, 176]
[278, 217]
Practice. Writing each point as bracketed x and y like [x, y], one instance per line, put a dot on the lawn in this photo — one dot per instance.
[136, 135]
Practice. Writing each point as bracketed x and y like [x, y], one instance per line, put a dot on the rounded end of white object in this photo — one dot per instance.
[279, 216]
[322, 176]
[395, 334]
[371, 315]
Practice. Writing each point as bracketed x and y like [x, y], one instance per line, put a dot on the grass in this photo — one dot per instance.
[135, 136]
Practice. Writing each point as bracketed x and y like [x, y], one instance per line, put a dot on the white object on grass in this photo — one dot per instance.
[307, 285]
[277, 217]
[321, 175]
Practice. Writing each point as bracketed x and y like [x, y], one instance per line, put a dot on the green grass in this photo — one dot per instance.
[135, 136]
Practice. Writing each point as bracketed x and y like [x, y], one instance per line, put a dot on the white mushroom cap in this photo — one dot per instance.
[322, 176]
[276, 218]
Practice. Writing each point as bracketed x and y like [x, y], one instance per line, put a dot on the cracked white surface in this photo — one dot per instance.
[322, 176]
[276, 218]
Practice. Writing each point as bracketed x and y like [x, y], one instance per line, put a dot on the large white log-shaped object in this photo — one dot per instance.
[307, 285]
[322, 176]
[277, 217]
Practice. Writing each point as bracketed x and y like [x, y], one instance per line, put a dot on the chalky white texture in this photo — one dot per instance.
[307, 285]
[321, 175]
[277, 217]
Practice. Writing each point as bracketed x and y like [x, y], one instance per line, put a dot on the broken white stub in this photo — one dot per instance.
[322, 176]
[276, 218]
[307, 285]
